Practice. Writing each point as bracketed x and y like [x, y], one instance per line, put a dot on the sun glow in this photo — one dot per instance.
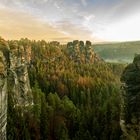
[124, 30]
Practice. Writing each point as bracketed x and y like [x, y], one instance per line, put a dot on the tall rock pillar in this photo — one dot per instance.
[3, 97]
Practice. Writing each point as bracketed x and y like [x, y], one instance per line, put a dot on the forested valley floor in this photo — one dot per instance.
[75, 94]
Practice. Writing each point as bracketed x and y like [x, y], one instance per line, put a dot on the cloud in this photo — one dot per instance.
[89, 17]
[123, 9]
[56, 5]
[15, 25]
[84, 2]
[64, 19]
[63, 40]
[75, 31]
[124, 30]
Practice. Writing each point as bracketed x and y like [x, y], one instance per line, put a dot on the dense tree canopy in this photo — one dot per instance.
[77, 101]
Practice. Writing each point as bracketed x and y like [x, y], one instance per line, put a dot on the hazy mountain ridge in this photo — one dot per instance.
[122, 52]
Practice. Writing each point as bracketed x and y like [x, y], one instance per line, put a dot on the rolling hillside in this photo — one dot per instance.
[122, 52]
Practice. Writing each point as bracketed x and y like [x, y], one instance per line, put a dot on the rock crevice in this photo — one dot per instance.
[14, 79]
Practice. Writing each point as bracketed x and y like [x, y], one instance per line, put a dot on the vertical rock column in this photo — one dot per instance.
[3, 97]
[18, 76]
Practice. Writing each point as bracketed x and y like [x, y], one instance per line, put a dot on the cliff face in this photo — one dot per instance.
[3, 96]
[18, 79]
[131, 80]
[14, 79]
[82, 53]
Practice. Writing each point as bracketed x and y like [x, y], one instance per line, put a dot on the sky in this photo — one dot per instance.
[65, 20]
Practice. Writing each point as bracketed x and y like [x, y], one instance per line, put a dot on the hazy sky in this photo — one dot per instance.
[64, 20]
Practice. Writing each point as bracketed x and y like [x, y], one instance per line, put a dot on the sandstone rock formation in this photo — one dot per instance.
[14, 79]
[3, 91]
[82, 53]
[18, 79]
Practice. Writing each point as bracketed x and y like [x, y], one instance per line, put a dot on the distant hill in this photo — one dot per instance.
[122, 52]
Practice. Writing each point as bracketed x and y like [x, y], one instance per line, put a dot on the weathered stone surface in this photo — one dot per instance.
[14, 78]
[3, 97]
[3, 87]
[18, 79]
[82, 53]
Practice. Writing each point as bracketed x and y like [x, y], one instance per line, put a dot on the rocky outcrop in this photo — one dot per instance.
[14, 79]
[3, 90]
[82, 53]
[3, 97]
[131, 80]
[18, 79]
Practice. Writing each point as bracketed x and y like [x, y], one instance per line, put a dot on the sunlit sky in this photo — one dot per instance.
[64, 20]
